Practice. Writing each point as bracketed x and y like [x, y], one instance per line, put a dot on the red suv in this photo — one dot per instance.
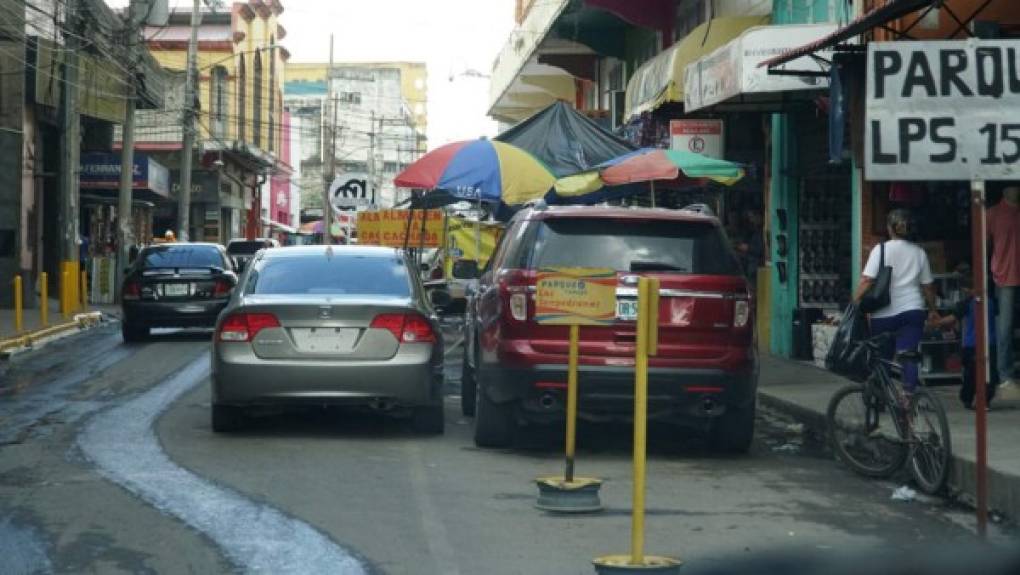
[706, 372]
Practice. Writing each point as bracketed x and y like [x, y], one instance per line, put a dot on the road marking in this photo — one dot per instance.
[122, 443]
[432, 525]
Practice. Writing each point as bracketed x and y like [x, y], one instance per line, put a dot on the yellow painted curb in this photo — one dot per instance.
[81, 321]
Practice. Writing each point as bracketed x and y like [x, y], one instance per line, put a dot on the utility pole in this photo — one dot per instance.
[371, 158]
[327, 208]
[70, 155]
[188, 125]
[125, 235]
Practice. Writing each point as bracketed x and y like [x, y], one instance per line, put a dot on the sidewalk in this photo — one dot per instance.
[802, 391]
[33, 321]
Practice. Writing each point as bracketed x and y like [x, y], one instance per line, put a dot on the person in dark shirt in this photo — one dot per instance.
[963, 314]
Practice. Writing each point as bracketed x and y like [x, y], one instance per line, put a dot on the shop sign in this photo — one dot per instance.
[101, 171]
[734, 69]
[351, 190]
[943, 110]
[463, 238]
[703, 137]
[389, 228]
[575, 296]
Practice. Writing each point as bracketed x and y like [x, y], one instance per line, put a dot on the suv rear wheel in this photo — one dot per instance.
[495, 425]
[733, 431]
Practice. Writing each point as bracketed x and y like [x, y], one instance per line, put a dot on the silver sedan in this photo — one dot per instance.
[329, 325]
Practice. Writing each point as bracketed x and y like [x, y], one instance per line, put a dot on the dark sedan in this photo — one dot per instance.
[175, 285]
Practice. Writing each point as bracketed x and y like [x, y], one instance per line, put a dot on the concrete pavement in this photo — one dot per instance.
[802, 390]
[32, 321]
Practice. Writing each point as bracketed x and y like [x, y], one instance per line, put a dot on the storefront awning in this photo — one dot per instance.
[879, 16]
[661, 79]
[731, 78]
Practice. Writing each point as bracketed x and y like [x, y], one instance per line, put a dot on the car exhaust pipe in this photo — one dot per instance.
[382, 404]
[708, 406]
[547, 401]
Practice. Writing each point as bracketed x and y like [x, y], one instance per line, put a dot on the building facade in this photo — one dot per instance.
[381, 121]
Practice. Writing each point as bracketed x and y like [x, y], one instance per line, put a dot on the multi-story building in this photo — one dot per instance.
[240, 116]
[381, 120]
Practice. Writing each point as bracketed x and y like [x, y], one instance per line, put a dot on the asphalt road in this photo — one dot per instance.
[108, 464]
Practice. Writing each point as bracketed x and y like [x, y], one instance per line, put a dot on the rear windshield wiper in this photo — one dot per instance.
[652, 266]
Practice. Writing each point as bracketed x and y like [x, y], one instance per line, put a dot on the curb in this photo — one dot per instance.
[81, 321]
[1003, 488]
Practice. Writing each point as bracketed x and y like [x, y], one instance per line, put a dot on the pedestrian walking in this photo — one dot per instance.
[910, 288]
[1004, 231]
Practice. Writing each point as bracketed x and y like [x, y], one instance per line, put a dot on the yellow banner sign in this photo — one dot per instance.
[576, 296]
[463, 238]
[389, 228]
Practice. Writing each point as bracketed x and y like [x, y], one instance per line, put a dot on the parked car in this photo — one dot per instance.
[242, 251]
[329, 325]
[705, 374]
[175, 285]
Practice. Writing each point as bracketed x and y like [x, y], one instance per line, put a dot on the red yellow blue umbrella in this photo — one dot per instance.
[480, 170]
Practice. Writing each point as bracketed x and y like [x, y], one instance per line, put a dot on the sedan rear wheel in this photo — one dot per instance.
[226, 418]
[133, 333]
[429, 419]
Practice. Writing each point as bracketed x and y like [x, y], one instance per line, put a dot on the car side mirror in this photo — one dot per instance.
[440, 298]
[465, 269]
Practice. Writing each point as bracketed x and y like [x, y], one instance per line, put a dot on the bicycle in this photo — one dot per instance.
[875, 427]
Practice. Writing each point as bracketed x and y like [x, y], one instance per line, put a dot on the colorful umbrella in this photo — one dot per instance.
[480, 170]
[649, 165]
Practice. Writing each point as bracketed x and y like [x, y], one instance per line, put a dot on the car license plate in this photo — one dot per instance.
[626, 309]
[175, 290]
[325, 339]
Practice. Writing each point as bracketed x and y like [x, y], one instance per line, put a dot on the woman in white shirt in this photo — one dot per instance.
[911, 287]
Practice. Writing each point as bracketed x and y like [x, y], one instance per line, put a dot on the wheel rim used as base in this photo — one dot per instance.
[621, 565]
[557, 495]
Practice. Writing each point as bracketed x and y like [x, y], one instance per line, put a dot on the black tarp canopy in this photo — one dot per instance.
[565, 140]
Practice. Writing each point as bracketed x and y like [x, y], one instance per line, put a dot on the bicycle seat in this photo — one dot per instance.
[908, 356]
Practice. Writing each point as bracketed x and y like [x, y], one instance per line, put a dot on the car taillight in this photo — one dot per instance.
[406, 328]
[132, 290]
[242, 327]
[514, 286]
[222, 288]
[741, 312]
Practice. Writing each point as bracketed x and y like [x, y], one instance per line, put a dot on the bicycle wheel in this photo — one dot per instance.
[933, 448]
[863, 434]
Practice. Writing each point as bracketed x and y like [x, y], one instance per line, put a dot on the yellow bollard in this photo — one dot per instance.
[84, 291]
[19, 320]
[44, 299]
[575, 336]
[65, 294]
[647, 344]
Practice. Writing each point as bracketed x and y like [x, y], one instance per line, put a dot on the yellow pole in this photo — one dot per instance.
[84, 291]
[647, 342]
[65, 293]
[44, 299]
[19, 323]
[575, 332]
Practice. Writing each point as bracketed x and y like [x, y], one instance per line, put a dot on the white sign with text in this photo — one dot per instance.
[943, 110]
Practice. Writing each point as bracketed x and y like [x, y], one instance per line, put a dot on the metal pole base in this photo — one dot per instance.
[581, 495]
[621, 565]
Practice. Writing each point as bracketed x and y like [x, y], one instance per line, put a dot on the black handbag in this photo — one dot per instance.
[877, 296]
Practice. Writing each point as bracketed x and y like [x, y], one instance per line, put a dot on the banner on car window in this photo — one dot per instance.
[575, 296]
[466, 241]
[390, 228]
[943, 110]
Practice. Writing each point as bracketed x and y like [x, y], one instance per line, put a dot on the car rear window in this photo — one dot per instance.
[336, 275]
[182, 256]
[245, 248]
[625, 245]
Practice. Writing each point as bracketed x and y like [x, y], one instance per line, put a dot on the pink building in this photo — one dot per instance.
[280, 185]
